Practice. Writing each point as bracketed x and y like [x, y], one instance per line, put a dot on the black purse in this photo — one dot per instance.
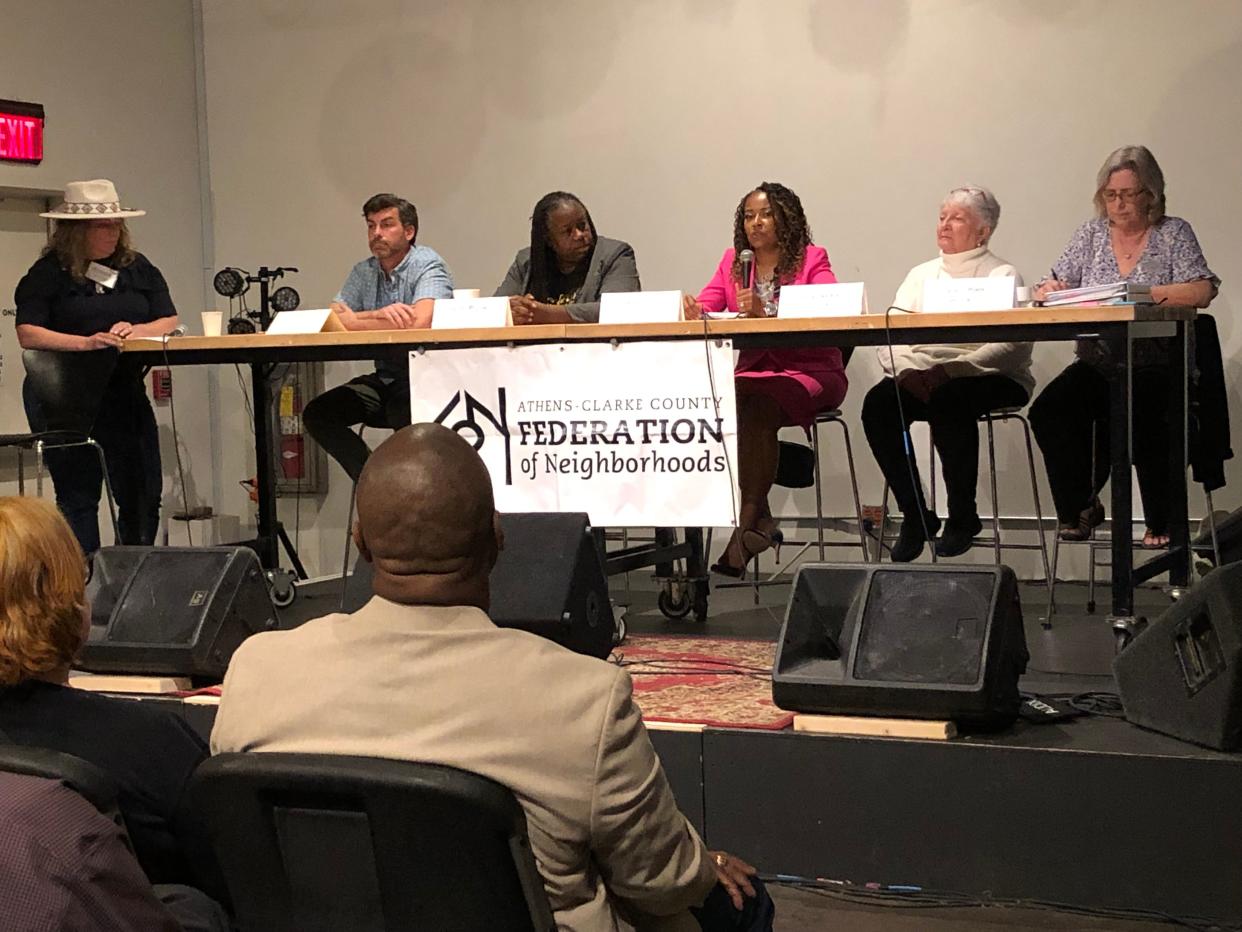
[795, 466]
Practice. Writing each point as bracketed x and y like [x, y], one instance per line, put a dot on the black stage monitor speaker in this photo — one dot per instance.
[549, 580]
[178, 611]
[1183, 674]
[904, 641]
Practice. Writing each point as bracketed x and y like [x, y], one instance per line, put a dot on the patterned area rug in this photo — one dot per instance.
[722, 682]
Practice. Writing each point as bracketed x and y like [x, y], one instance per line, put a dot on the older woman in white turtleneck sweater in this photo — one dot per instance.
[948, 385]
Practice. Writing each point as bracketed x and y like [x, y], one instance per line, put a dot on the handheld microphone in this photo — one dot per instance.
[178, 331]
[746, 266]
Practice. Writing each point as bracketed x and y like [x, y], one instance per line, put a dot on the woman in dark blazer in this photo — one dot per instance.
[559, 277]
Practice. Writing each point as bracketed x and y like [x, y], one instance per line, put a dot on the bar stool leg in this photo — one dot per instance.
[819, 493]
[1052, 582]
[879, 536]
[1211, 526]
[858, 514]
[1039, 516]
[996, 541]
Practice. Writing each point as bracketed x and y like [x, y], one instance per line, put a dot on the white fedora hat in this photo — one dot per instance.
[91, 200]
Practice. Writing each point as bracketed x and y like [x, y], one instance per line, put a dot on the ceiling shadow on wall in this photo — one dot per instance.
[546, 63]
[708, 11]
[857, 36]
[292, 14]
[1045, 11]
[398, 112]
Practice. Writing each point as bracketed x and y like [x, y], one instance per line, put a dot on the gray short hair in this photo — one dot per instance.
[1140, 161]
[980, 200]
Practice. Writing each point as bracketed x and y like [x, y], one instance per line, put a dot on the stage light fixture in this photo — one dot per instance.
[231, 283]
[285, 298]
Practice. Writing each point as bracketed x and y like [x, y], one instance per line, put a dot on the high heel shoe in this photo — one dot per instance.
[767, 525]
[751, 542]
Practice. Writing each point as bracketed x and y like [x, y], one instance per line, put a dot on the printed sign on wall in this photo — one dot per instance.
[635, 435]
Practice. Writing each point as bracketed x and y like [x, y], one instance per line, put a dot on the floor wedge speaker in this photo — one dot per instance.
[1182, 675]
[935, 642]
[178, 611]
[550, 580]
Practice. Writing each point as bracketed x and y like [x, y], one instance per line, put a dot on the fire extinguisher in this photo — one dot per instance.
[292, 440]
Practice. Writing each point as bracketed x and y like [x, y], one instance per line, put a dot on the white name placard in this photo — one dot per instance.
[314, 320]
[465, 313]
[585, 426]
[842, 299]
[639, 307]
[969, 294]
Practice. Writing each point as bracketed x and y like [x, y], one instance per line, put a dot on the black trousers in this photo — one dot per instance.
[953, 412]
[126, 429]
[718, 913]
[373, 399]
[1062, 417]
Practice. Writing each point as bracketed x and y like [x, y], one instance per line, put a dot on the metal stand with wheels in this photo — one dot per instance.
[684, 590]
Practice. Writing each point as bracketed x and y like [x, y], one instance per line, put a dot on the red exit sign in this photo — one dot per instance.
[21, 131]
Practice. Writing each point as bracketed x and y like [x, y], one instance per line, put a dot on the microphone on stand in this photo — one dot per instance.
[178, 331]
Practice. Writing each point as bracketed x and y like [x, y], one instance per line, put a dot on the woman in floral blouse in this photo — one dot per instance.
[1130, 239]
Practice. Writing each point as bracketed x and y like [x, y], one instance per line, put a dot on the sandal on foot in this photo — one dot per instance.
[1089, 519]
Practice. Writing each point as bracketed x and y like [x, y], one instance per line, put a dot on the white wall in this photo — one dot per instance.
[118, 84]
[660, 114]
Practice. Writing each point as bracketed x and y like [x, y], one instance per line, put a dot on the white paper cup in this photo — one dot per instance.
[1022, 297]
[465, 292]
[212, 322]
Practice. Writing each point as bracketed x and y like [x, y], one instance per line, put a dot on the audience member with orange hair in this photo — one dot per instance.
[44, 618]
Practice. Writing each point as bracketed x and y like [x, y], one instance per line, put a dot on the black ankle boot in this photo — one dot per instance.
[912, 536]
[958, 536]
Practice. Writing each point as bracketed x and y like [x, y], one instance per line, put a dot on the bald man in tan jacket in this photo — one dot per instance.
[421, 673]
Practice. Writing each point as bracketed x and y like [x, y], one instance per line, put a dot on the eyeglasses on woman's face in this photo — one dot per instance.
[1114, 196]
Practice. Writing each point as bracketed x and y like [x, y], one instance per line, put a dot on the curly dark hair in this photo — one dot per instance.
[793, 234]
[542, 256]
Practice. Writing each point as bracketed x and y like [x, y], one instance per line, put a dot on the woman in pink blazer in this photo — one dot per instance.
[779, 387]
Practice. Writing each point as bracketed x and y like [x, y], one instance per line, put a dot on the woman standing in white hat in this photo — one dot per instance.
[90, 290]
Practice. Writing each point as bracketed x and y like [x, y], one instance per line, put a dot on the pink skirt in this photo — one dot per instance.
[802, 382]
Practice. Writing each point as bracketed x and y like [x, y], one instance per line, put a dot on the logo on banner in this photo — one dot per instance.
[470, 423]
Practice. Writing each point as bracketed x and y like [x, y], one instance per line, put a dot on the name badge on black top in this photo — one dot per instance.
[101, 275]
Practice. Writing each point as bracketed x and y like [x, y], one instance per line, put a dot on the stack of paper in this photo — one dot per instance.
[1095, 295]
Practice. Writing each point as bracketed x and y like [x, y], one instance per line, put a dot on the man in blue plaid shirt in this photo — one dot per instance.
[392, 290]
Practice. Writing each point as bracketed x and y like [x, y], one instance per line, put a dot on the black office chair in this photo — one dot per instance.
[81, 776]
[315, 842]
[69, 388]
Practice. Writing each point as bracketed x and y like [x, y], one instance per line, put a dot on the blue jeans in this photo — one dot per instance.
[126, 430]
[718, 914]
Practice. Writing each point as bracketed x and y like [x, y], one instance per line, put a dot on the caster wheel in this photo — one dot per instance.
[674, 607]
[618, 637]
[1091, 607]
[1121, 640]
[700, 600]
[282, 585]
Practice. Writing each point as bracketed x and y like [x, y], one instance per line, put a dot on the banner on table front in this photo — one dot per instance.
[635, 435]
